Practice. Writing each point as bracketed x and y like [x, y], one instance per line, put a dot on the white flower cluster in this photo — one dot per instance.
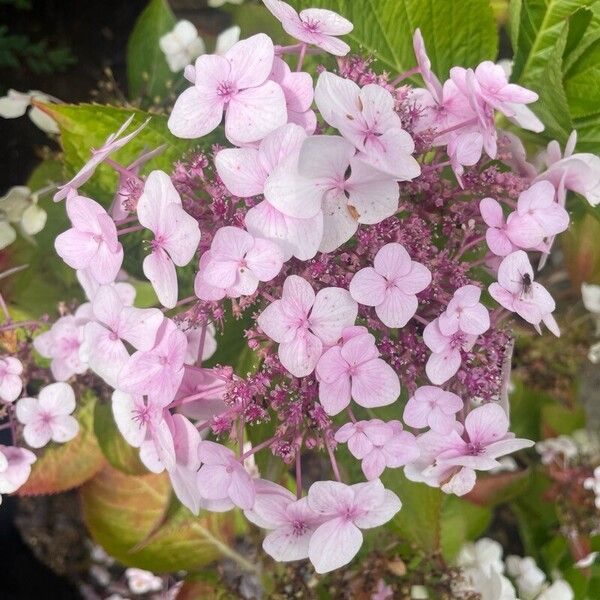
[486, 573]
[590, 293]
[593, 484]
[19, 206]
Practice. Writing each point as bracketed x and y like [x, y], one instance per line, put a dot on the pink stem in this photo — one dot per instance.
[256, 448]
[10, 326]
[301, 56]
[4, 308]
[334, 466]
[470, 245]
[457, 126]
[201, 346]
[298, 474]
[121, 169]
[406, 75]
[129, 229]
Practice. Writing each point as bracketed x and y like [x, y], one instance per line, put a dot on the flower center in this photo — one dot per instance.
[226, 90]
[311, 26]
[475, 449]
[299, 528]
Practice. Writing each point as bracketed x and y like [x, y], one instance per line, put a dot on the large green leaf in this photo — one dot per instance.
[456, 32]
[540, 24]
[86, 126]
[61, 467]
[122, 513]
[148, 74]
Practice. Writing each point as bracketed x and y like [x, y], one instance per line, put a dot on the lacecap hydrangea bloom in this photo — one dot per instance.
[348, 221]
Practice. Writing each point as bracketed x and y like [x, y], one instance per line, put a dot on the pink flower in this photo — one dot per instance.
[302, 322]
[486, 438]
[176, 235]
[113, 143]
[48, 417]
[366, 117]
[433, 407]
[490, 85]
[62, 343]
[206, 389]
[391, 285]
[245, 172]
[578, 172]
[465, 313]
[235, 264]
[318, 182]
[539, 216]
[498, 233]
[184, 472]
[103, 348]
[354, 370]
[378, 445]
[10, 380]
[15, 468]
[237, 84]
[315, 26]
[92, 242]
[195, 336]
[291, 521]
[446, 357]
[158, 372]
[143, 426]
[518, 292]
[223, 477]
[90, 288]
[346, 509]
[298, 90]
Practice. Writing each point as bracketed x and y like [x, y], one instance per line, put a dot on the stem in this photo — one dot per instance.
[298, 474]
[406, 75]
[201, 346]
[334, 466]
[470, 245]
[224, 549]
[301, 56]
[129, 229]
[458, 126]
[351, 414]
[10, 326]
[4, 309]
[256, 448]
[12, 271]
[420, 319]
[121, 169]
[126, 220]
[198, 396]
[433, 166]
[187, 300]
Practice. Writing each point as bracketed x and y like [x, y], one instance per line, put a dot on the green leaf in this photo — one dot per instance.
[460, 522]
[552, 107]
[61, 467]
[561, 420]
[120, 511]
[456, 32]
[86, 126]
[541, 22]
[116, 450]
[148, 73]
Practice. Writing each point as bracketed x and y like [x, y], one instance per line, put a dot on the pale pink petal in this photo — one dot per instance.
[373, 464]
[284, 544]
[251, 60]
[333, 310]
[27, 410]
[38, 434]
[139, 326]
[416, 413]
[181, 235]
[486, 424]
[325, 158]
[330, 22]
[76, 248]
[255, 112]
[380, 514]
[275, 322]
[241, 171]
[441, 367]
[375, 384]
[264, 259]
[160, 271]
[213, 482]
[104, 353]
[195, 114]
[329, 498]
[241, 489]
[339, 224]
[123, 409]
[491, 211]
[282, 143]
[300, 356]
[64, 428]
[358, 349]
[334, 544]
[332, 366]
[397, 308]
[368, 287]
[498, 242]
[212, 453]
[107, 306]
[392, 261]
[106, 264]
[416, 280]
[335, 395]
[360, 445]
[57, 399]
